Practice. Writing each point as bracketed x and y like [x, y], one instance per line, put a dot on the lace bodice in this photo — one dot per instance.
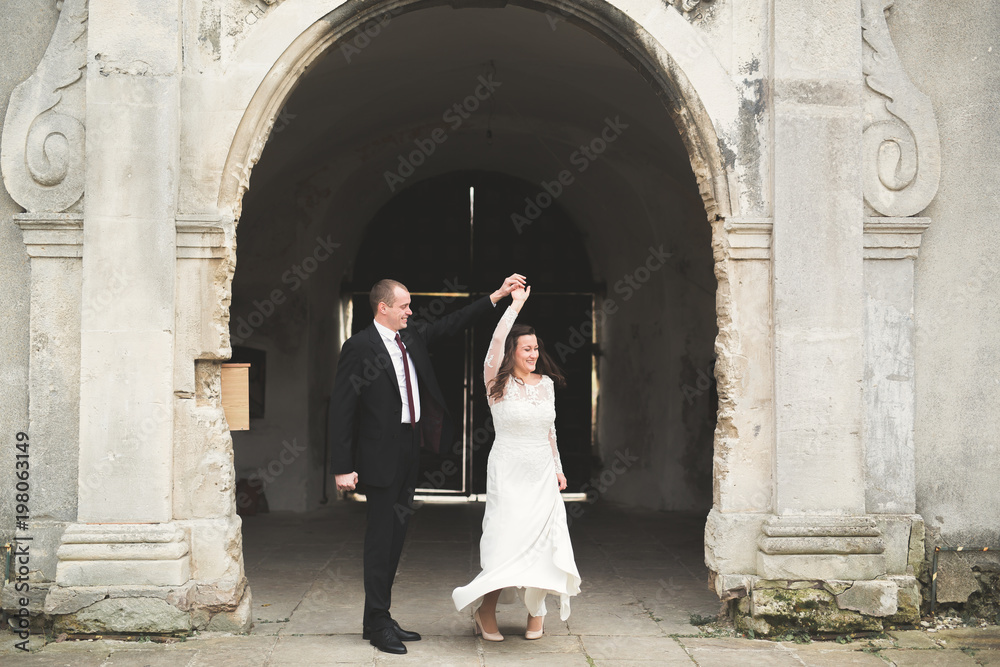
[526, 414]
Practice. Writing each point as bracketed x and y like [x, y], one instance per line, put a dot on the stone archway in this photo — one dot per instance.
[741, 244]
[293, 117]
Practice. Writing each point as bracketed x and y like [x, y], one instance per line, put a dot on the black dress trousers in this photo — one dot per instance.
[389, 510]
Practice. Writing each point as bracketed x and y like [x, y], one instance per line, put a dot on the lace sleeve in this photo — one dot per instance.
[494, 356]
[555, 449]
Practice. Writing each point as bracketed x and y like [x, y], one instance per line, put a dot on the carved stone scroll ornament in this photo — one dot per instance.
[685, 5]
[42, 155]
[902, 151]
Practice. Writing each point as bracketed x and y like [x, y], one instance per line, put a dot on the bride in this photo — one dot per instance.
[525, 541]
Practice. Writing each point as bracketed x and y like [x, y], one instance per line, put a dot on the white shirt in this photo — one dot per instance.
[389, 338]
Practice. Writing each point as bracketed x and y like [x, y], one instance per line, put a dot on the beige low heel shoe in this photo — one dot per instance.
[534, 634]
[488, 636]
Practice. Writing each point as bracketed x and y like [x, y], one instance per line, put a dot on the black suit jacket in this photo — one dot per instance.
[366, 407]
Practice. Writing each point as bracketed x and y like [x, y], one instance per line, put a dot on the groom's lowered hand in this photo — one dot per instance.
[347, 481]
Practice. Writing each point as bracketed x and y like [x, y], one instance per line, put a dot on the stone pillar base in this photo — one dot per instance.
[820, 566]
[123, 554]
[819, 574]
[820, 548]
[818, 607]
[146, 609]
[136, 579]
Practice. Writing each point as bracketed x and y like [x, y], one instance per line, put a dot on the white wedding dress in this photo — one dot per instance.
[525, 544]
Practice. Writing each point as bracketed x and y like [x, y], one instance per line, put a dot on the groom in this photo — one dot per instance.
[386, 403]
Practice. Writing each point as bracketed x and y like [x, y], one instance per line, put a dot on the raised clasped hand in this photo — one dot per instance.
[513, 282]
[521, 294]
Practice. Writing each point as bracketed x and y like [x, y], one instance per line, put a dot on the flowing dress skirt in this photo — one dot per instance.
[525, 543]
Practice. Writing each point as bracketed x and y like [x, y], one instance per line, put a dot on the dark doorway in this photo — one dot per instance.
[453, 238]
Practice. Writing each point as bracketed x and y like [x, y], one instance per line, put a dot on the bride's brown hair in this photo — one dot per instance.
[545, 364]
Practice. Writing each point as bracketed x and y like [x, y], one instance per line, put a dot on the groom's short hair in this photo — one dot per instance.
[384, 291]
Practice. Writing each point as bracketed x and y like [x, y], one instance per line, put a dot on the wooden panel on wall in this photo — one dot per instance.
[236, 396]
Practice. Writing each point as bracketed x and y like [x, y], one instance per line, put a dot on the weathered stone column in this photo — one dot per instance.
[842, 547]
[819, 530]
[743, 464]
[124, 536]
[744, 435]
[204, 478]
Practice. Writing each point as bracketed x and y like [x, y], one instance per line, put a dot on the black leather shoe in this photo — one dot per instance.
[386, 641]
[405, 635]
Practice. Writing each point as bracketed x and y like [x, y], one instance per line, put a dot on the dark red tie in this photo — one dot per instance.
[406, 374]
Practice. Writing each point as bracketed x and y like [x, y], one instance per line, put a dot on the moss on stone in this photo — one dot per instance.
[774, 611]
[908, 605]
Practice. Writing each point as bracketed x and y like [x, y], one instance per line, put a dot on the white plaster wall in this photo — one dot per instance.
[952, 53]
[26, 27]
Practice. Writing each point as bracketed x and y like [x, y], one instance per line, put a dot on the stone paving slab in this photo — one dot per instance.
[990, 658]
[972, 638]
[267, 629]
[927, 658]
[676, 627]
[516, 644]
[151, 657]
[913, 639]
[546, 660]
[685, 661]
[726, 652]
[341, 620]
[433, 648]
[275, 602]
[663, 650]
[831, 654]
[208, 643]
[80, 658]
[328, 650]
[411, 659]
